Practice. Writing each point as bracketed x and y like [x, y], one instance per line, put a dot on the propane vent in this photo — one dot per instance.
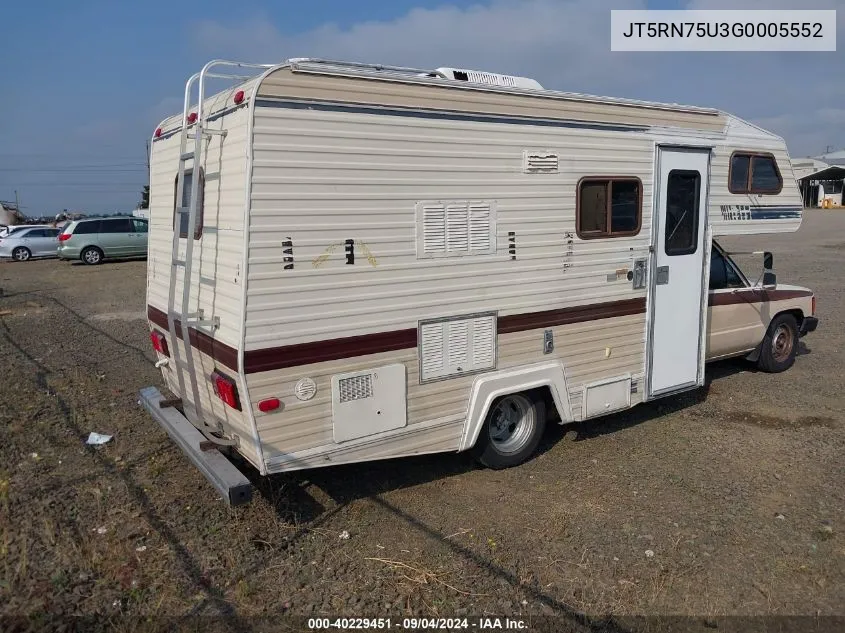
[355, 388]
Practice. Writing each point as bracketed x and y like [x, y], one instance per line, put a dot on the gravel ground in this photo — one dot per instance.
[726, 501]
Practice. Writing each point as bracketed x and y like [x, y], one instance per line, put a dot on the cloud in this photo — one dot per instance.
[565, 45]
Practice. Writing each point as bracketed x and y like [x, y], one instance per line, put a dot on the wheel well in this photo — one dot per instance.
[544, 394]
[796, 312]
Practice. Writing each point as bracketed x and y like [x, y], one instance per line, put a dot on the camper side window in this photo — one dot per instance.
[754, 173]
[608, 207]
[186, 203]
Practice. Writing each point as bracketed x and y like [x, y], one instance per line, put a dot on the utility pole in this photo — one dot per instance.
[17, 201]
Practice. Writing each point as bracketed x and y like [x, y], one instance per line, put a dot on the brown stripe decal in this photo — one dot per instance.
[564, 316]
[333, 349]
[272, 358]
[754, 295]
[220, 352]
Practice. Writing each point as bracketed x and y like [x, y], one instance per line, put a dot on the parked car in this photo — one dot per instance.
[6, 231]
[24, 243]
[94, 240]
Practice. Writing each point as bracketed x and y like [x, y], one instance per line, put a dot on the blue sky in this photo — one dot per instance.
[85, 83]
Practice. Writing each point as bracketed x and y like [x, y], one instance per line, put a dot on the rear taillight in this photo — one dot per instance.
[64, 236]
[225, 389]
[159, 343]
[814, 306]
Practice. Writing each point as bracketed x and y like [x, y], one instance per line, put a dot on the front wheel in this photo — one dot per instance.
[92, 256]
[21, 254]
[777, 352]
[512, 431]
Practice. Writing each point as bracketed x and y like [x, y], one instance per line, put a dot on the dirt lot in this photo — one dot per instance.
[730, 500]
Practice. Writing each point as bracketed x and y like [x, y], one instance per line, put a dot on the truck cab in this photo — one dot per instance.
[761, 320]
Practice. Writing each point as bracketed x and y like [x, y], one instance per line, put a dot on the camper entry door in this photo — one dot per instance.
[677, 270]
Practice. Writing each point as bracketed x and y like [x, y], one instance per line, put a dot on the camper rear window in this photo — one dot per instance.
[182, 218]
[608, 207]
[754, 173]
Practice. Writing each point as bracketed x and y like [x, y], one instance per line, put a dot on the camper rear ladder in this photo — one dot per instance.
[183, 320]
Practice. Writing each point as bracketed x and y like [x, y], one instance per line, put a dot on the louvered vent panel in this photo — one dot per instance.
[431, 349]
[456, 347]
[458, 344]
[356, 387]
[456, 228]
[434, 229]
[480, 236]
[540, 162]
[484, 342]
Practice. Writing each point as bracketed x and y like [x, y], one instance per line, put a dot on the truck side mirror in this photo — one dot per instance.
[768, 261]
[769, 277]
[769, 280]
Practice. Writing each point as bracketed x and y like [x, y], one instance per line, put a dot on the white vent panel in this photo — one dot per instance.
[456, 228]
[457, 346]
[540, 162]
[367, 403]
[493, 79]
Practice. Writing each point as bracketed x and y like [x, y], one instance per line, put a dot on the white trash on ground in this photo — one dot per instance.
[96, 439]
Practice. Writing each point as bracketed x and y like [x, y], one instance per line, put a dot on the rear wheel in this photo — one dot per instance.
[21, 254]
[92, 255]
[512, 431]
[777, 352]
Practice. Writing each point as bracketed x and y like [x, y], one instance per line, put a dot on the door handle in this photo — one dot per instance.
[662, 275]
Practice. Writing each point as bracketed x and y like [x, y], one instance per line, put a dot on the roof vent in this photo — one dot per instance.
[493, 79]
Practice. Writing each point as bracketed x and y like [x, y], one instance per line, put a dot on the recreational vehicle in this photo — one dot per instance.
[352, 262]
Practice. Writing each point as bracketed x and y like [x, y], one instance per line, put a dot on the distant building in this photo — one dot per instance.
[141, 213]
[821, 179]
[9, 214]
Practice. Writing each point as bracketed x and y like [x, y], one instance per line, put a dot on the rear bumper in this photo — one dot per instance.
[808, 324]
[219, 471]
[67, 252]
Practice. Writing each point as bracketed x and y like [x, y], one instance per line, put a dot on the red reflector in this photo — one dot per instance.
[64, 236]
[192, 117]
[225, 389]
[159, 342]
[157, 132]
[239, 96]
[271, 404]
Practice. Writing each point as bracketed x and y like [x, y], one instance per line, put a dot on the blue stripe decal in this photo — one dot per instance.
[775, 214]
[324, 106]
[745, 212]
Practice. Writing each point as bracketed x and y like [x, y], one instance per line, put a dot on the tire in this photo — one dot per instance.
[21, 254]
[777, 351]
[512, 431]
[91, 256]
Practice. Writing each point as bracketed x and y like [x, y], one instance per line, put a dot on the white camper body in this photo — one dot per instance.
[379, 253]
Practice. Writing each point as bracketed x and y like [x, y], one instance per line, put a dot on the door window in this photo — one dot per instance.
[140, 226]
[682, 209]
